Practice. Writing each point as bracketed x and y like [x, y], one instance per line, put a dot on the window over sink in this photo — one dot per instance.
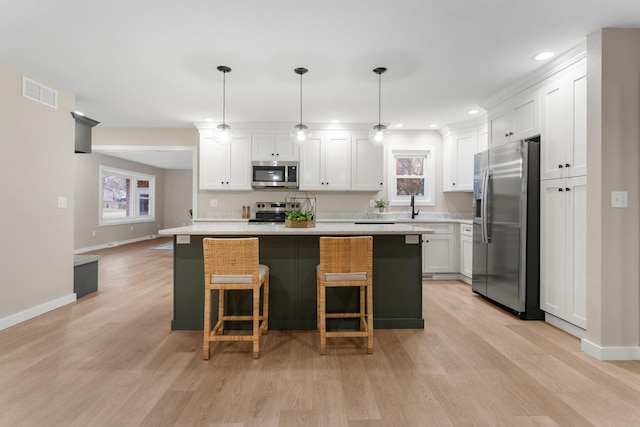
[411, 172]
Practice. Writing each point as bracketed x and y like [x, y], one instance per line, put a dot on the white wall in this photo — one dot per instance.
[36, 167]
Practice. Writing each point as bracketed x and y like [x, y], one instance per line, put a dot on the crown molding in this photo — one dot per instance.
[560, 63]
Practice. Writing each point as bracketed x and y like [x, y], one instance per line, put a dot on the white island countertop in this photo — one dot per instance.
[321, 228]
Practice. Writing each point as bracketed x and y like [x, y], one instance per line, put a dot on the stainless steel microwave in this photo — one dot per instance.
[274, 174]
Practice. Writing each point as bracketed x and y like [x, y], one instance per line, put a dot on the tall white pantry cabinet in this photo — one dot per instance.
[563, 196]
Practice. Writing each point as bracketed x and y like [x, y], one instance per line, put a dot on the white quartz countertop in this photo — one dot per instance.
[321, 228]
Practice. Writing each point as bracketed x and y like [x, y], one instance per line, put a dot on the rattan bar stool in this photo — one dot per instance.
[233, 264]
[346, 262]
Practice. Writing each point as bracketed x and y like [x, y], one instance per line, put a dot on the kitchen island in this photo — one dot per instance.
[292, 255]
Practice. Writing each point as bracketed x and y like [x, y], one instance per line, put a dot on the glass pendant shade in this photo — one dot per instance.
[222, 133]
[378, 135]
[300, 133]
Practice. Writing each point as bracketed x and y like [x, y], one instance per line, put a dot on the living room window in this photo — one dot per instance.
[411, 172]
[126, 196]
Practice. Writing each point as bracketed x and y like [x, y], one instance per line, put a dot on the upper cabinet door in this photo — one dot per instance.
[515, 119]
[311, 173]
[337, 158]
[366, 164]
[564, 125]
[273, 146]
[225, 167]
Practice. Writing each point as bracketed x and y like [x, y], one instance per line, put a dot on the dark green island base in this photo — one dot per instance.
[292, 259]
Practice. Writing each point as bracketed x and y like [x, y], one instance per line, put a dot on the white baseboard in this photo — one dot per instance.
[36, 311]
[610, 353]
[446, 276]
[569, 328]
[114, 244]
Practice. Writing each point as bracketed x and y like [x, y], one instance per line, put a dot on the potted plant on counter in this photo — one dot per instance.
[300, 219]
[381, 204]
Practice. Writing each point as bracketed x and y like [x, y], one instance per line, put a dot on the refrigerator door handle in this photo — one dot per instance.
[485, 210]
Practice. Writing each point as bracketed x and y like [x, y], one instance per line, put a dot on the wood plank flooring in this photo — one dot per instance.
[111, 359]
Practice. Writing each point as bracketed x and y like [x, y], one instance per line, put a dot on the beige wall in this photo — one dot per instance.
[87, 206]
[334, 202]
[36, 167]
[144, 136]
[178, 197]
[613, 246]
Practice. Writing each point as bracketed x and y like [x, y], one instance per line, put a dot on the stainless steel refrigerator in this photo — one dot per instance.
[506, 227]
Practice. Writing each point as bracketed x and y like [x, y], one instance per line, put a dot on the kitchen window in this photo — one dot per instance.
[126, 196]
[411, 172]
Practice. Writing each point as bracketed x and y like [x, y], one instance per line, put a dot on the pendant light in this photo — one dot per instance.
[300, 132]
[379, 133]
[222, 133]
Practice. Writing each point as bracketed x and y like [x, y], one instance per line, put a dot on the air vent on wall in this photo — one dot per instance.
[38, 92]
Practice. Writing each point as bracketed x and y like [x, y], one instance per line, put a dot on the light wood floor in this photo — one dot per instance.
[111, 359]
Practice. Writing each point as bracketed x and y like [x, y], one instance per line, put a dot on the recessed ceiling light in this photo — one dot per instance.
[474, 112]
[335, 121]
[433, 125]
[399, 125]
[543, 55]
[208, 120]
[79, 113]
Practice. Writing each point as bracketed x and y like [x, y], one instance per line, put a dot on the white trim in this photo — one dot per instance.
[36, 311]
[135, 217]
[429, 153]
[539, 75]
[569, 328]
[610, 353]
[114, 244]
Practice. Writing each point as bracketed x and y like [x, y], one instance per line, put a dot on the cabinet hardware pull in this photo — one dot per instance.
[510, 133]
[567, 165]
[506, 134]
[559, 189]
[567, 189]
[560, 166]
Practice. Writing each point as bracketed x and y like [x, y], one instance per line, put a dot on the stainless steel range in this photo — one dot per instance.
[270, 213]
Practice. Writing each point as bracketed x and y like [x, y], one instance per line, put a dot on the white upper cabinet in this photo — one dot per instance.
[273, 146]
[515, 119]
[564, 125]
[367, 167]
[325, 162]
[225, 167]
[459, 149]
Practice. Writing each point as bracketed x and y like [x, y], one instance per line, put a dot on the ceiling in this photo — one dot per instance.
[153, 63]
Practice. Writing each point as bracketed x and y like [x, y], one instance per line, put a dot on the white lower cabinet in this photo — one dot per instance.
[466, 250]
[439, 249]
[563, 239]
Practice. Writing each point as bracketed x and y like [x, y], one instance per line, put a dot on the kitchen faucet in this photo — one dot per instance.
[413, 205]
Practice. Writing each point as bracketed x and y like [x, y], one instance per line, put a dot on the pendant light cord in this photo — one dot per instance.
[301, 98]
[379, 97]
[224, 94]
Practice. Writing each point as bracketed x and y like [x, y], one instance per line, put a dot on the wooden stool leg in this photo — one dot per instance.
[323, 319]
[207, 324]
[221, 311]
[256, 322]
[265, 305]
[362, 307]
[369, 320]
